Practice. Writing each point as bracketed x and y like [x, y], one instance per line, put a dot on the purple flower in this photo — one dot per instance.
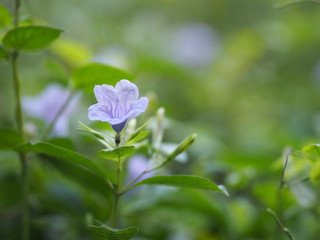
[117, 104]
[48, 103]
[136, 165]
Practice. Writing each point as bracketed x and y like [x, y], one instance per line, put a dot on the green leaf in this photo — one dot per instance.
[63, 154]
[183, 146]
[89, 75]
[3, 53]
[313, 151]
[9, 139]
[315, 173]
[30, 37]
[62, 142]
[141, 135]
[117, 153]
[5, 17]
[105, 232]
[87, 129]
[138, 131]
[182, 181]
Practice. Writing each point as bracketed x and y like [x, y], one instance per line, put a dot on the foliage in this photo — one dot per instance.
[242, 74]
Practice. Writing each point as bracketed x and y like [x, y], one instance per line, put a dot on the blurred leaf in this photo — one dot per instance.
[182, 181]
[89, 75]
[315, 173]
[3, 53]
[137, 132]
[141, 135]
[71, 52]
[183, 146]
[5, 17]
[82, 176]
[117, 153]
[313, 150]
[30, 37]
[104, 232]
[62, 142]
[63, 154]
[9, 139]
[87, 129]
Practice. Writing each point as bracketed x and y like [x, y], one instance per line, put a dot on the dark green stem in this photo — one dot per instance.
[25, 234]
[16, 13]
[25, 194]
[53, 122]
[117, 195]
[17, 94]
[285, 230]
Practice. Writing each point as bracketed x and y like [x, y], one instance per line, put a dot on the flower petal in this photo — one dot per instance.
[127, 93]
[99, 112]
[105, 94]
[138, 107]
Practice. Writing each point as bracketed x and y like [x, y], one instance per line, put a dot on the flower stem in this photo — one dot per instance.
[285, 230]
[117, 195]
[56, 117]
[25, 234]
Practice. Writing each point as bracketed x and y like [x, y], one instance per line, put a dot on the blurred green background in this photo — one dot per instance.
[243, 74]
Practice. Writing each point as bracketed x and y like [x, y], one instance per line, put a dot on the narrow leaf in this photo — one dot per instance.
[313, 150]
[87, 129]
[9, 139]
[315, 173]
[105, 232]
[181, 181]
[140, 136]
[30, 37]
[140, 129]
[118, 153]
[89, 75]
[183, 146]
[62, 154]
[5, 17]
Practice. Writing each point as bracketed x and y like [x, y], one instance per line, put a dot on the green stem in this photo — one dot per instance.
[17, 94]
[285, 230]
[133, 181]
[53, 122]
[116, 193]
[16, 13]
[25, 193]
[114, 211]
[19, 121]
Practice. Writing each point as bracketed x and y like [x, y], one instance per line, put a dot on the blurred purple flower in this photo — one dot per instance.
[48, 103]
[195, 45]
[136, 165]
[117, 104]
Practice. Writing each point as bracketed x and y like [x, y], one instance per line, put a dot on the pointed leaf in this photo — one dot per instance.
[30, 37]
[181, 181]
[87, 129]
[63, 154]
[9, 139]
[315, 173]
[139, 130]
[183, 146]
[89, 75]
[105, 232]
[313, 150]
[5, 17]
[118, 153]
[141, 135]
